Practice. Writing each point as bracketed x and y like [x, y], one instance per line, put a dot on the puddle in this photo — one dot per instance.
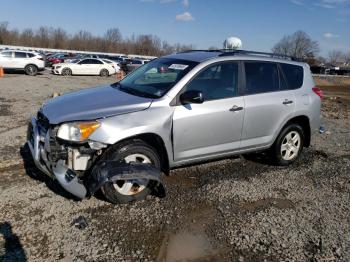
[185, 246]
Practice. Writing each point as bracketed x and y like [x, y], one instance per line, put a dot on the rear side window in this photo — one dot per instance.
[294, 75]
[261, 77]
[30, 55]
[90, 62]
[20, 55]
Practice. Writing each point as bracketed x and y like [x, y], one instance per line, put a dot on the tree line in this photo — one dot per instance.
[301, 46]
[298, 44]
[111, 42]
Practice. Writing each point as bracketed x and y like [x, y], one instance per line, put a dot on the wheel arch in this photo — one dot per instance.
[157, 143]
[31, 64]
[304, 122]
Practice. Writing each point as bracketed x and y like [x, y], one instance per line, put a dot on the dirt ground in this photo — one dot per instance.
[238, 209]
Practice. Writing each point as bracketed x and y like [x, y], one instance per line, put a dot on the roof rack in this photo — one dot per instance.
[227, 52]
[230, 52]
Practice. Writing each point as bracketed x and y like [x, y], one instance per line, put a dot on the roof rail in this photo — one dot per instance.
[230, 52]
[199, 50]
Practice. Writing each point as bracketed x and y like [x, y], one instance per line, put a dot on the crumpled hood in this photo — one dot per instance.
[93, 103]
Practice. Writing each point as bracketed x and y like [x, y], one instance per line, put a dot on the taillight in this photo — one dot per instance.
[318, 92]
[40, 58]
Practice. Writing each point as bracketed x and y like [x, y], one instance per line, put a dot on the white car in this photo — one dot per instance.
[88, 66]
[29, 62]
[113, 63]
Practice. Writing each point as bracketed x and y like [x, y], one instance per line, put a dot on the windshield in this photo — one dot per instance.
[155, 78]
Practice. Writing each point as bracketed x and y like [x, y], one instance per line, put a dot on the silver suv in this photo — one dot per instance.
[175, 110]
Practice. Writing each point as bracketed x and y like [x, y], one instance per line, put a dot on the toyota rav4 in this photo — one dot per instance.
[175, 110]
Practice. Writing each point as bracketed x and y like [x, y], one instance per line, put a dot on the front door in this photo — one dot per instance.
[213, 127]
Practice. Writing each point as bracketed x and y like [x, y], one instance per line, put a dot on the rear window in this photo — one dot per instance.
[294, 75]
[261, 77]
[6, 54]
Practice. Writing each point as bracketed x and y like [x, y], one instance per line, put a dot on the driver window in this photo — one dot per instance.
[216, 82]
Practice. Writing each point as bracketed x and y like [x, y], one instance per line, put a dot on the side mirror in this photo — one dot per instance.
[192, 97]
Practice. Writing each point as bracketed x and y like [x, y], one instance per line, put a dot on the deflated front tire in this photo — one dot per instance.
[125, 191]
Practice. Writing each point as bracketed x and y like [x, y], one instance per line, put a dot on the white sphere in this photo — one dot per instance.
[232, 43]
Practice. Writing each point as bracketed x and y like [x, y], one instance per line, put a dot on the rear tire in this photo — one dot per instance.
[104, 73]
[31, 70]
[66, 72]
[288, 145]
[125, 191]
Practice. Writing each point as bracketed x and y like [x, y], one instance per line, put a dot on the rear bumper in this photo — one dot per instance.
[38, 145]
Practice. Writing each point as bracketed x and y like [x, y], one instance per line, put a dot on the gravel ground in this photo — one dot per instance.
[238, 209]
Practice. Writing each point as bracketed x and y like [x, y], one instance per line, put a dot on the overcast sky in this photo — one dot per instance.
[204, 23]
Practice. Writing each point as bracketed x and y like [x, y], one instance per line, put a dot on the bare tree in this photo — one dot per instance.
[3, 32]
[59, 38]
[347, 58]
[112, 38]
[298, 45]
[335, 56]
[43, 37]
[27, 37]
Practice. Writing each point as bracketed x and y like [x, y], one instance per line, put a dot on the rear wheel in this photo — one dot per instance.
[104, 73]
[125, 191]
[31, 70]
[288, 146]
[66, 72]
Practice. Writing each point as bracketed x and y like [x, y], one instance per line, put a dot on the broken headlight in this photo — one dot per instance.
[77, 131]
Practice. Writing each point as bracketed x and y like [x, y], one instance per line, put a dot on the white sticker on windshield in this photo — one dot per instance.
[178, 67]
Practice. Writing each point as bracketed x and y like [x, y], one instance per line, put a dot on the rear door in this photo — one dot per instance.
[96, 66]
[84, 67]
[267, 103]
[20, 59]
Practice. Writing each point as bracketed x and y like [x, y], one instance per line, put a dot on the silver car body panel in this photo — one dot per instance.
[190, 133]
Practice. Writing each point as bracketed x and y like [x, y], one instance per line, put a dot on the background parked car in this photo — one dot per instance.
[29, 62]
[135, 63]
[58, 58]
[88, 66]
[113, 63]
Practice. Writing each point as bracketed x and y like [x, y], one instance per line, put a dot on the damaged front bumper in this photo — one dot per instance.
[39, 145]
[65, 170]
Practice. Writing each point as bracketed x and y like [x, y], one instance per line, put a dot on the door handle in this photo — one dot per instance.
[287, 102]
[236, 108]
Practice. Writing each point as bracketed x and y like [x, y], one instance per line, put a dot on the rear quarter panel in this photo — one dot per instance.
[307, 102]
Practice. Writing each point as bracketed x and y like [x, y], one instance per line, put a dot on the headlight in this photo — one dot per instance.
[77, 131]
[58, 67]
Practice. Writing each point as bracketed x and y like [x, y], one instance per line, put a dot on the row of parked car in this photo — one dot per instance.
[67, 63]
